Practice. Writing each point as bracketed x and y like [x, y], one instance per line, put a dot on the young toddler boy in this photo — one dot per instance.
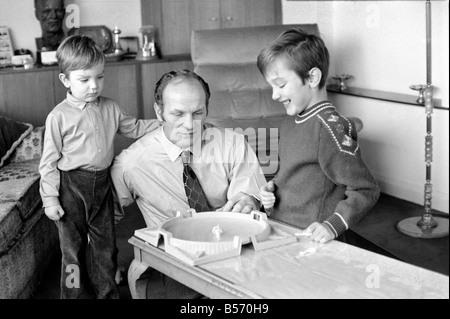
[323, 184]
[75, 183]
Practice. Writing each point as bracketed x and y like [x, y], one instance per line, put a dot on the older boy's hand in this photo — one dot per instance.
[240, 203]
[54, 212]
[267, 196]
[319, 232]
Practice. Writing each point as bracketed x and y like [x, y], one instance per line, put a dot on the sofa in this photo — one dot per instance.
[28, 239]
[241, 99]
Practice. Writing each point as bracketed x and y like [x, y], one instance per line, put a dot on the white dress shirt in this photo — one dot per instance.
[150, 171]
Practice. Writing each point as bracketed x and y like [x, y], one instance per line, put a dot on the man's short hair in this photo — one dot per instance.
[78, 52]
[180, 73]
[301, 50]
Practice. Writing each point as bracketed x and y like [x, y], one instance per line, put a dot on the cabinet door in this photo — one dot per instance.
[205, 14]
[175, 19]
[175, 29]
[27, 96]
[121, 85]
[247, 13]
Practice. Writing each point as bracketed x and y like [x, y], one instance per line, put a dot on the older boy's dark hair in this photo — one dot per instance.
[78, 52]
[180, 73]
[302, 51]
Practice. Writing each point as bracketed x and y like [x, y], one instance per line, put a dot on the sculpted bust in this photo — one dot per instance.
[50, 14]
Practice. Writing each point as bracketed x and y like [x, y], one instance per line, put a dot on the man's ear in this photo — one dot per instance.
[64, 80]
[158, 112]
[315, 75]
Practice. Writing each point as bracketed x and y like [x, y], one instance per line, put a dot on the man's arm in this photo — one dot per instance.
[122, 188]
[246, 179]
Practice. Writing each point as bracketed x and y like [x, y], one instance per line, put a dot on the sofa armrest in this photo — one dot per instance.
[31, 147]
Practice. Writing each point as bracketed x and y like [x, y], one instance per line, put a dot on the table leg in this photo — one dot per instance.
[138, 288]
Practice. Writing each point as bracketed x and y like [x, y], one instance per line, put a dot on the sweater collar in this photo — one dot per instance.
[312, 111]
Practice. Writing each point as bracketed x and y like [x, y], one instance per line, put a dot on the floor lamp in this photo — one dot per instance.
[426, 226]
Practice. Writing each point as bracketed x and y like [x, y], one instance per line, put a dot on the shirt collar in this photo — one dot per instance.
[312, 111]
[79, 103]
[172, 150]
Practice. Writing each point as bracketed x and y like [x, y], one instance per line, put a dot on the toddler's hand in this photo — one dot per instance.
[319, 232]
[267, 196]
[54, 212]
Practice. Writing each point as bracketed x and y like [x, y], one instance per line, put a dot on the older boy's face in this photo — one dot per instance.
[184, 111]
[85, 85]
[288, 88]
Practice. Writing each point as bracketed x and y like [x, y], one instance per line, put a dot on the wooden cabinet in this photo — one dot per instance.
[175, 19]
[27, 96]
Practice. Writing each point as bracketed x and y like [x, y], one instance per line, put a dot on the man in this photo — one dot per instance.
[150, 171]
[50, 14]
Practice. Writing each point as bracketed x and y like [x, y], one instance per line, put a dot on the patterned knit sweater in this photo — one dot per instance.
[322, 176]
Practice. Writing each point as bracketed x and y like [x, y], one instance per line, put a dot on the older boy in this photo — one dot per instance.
[323, 184]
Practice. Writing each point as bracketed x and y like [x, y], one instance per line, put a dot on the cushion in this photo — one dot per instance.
[11, 135]
[31, 146]
[19, 184]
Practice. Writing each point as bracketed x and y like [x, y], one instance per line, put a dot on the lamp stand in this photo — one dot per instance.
[426, 226]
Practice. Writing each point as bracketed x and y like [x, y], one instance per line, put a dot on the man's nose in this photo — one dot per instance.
[188, 122]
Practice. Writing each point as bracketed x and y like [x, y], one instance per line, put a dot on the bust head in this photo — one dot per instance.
[50, 14]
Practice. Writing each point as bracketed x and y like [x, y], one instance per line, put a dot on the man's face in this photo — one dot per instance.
[184, 111]
[51, 14]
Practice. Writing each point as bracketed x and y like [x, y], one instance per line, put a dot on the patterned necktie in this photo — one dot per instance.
[194, 191]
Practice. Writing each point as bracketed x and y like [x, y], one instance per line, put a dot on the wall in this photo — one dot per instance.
[382, 44]
[24, 27]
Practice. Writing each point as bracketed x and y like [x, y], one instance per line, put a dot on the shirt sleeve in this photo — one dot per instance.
[48, 166]
[131, 127]
[123, 186]
[246, 173]
[340, 159]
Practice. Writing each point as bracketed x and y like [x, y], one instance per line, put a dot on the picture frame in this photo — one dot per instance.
[6, 49]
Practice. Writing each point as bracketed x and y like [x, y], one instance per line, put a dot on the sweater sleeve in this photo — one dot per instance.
[340, 159]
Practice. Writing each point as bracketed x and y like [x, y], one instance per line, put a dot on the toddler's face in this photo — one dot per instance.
[288, 88]
[85, 85]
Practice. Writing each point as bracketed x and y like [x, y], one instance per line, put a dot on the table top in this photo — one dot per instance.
[306, 269]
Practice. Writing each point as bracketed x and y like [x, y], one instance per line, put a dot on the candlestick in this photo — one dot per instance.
[426, 226]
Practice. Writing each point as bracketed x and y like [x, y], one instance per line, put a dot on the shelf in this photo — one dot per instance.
[40, 68]
[384, 96]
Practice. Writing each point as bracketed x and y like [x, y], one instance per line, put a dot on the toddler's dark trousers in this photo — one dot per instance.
[87, 235]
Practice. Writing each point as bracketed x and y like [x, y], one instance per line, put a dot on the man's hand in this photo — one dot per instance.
[54, 212]
[240, 203]
[320, 232]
